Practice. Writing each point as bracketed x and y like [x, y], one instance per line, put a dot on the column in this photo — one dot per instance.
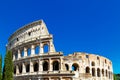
[51, 46]
[41, 48]
[31, 66]
[25, 51]
[70, 67]
[19, 54]
[32, 49]
[96, 72]
[13, 57]
[61, 64]
[17, 69]
[50, 65]
[40, 66]
[24, 68]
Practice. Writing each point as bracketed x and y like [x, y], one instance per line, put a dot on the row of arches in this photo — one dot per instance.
[29, 50]
[45, 67]
[93, 71]
[99, 72]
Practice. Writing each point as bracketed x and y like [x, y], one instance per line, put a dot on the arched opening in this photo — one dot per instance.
[14, 69]
[106, 73]
[20, 68]
[55, 65]
[93, 71]
[75, 67]
[98, 72]
[98, 58]
[67, 67]
[87, 70]
[16, 56]
[109, 74]
[29, 51]
[37, 50]
[36, 67]
[46, 48]
[22, 53]
[28, 68]
[93, 63]
[102, 72]
[45, 66]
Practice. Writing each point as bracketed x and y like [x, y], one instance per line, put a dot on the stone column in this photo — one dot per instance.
[51, 46]
[24, 68]
[13, 57]
[61, 64]
[70, 67]
[17, 69]
[25, 51]
[41, 48]
[32, 49]
[50, 65]
[19, 54]
[31, 66]
[40, 66]
[96, 72]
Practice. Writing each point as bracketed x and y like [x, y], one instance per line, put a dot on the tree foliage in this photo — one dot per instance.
[8, 67]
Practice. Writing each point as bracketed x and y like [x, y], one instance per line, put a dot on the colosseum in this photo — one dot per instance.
[35, 58]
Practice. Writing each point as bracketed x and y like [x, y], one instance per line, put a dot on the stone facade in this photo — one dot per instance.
[35, 58]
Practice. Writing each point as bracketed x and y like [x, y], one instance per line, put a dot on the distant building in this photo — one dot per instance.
[35, 58]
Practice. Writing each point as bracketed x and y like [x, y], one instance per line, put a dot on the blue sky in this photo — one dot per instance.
[91, 26]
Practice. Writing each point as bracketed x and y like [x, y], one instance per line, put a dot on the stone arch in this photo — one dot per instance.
[27, 68]
[22, 53]
[56, 65]
[37, 49]
[67, 67]
[46, 48]
[102, 72]
[14, 69]
[93, 63]
[45, 66]
[106, 73]
[75, 67]
[20, 68]
[36, 66]
[93, 71]
[29, 51]
[98, 72]
[87, 70]
[16, 56]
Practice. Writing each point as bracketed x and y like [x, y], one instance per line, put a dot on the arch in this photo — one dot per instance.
[16, 56]
[36, 67]
[102, 72]
[27, 68]
[93, 63]
[109, 74]
[45, 66]
[14, 69]
[20, 68]
[67, 67]
[98, 72]
[22, 53]
[93, 71]
[87, 70]
[37, 50]
[98, 58]
[106, 73]
[75, 67]
[29, 51]
[46, 48]
[55, 65]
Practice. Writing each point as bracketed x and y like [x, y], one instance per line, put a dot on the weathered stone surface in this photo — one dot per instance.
[33, 62]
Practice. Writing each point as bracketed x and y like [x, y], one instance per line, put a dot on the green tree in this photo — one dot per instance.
[8, 67]
[115, 77]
